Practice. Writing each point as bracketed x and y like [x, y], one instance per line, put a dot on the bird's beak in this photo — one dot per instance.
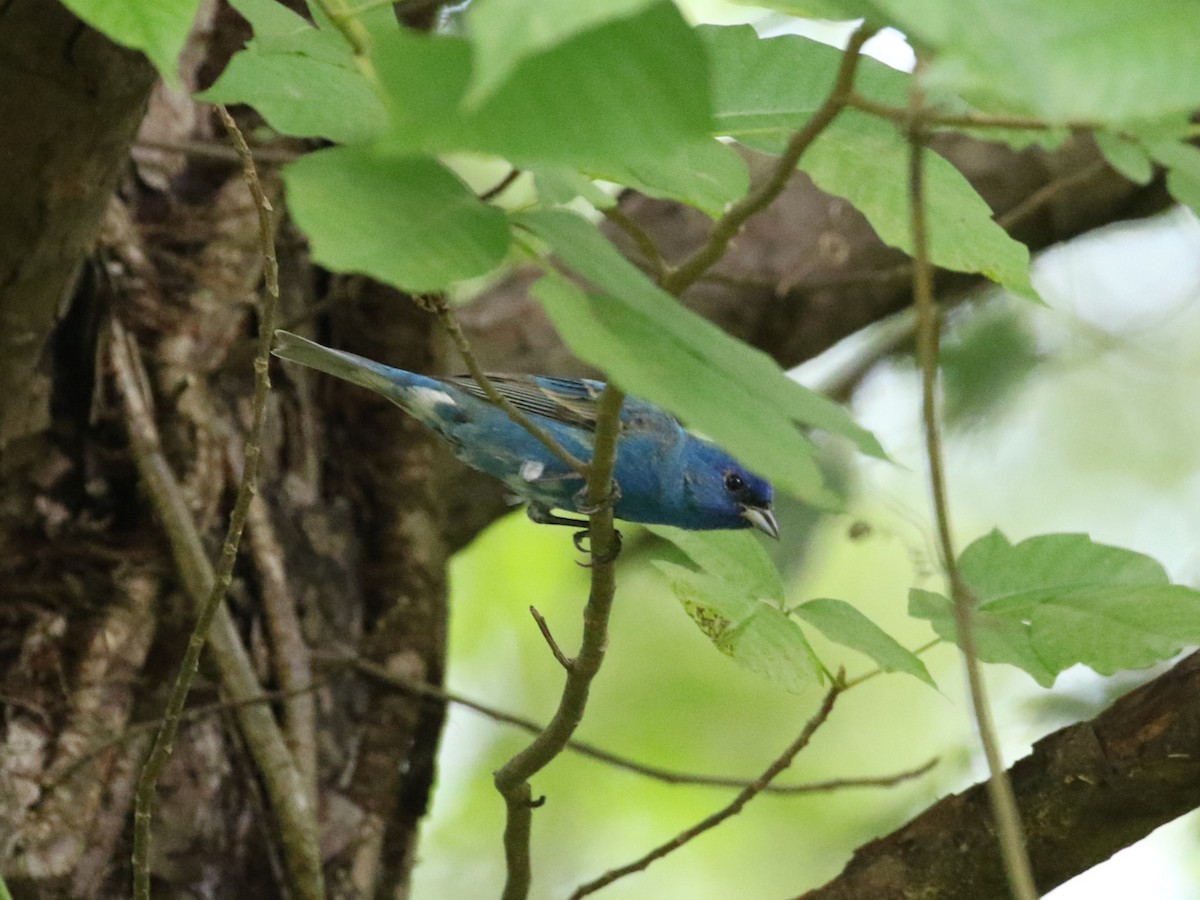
[762, 519]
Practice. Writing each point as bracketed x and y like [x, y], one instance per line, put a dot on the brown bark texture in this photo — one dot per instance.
[345, 550]
[1085, 792]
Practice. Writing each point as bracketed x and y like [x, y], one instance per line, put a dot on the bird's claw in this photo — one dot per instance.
[583, 507]
[603, 558]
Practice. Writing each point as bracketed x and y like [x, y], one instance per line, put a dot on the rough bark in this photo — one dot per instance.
[1085, 792]
[70, 101]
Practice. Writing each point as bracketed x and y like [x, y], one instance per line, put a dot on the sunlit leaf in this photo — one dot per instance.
[758, 636]
[407, 221]
[845, 625]
[1055, 600]
[734, 557]
[865, 160]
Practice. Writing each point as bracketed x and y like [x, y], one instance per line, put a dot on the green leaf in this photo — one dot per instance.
[1116, 628]
[706, 174]
[507, 32]
[759, 637]
[159, 28]
[845, 625]
[1063, 61]
[559, 185]
[1014, 579]
[1055, 600]
[586, 251]
[998, 639]
[301, 79]
[734, 557]
[865, 160]
[407, 221]
[764, 90]
[628, 90]
[1183, 171]
[1126, 156]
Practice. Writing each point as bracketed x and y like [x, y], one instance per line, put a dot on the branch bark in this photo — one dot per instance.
[1086, 791]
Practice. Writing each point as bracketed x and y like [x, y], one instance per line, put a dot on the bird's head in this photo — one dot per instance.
[725, 494]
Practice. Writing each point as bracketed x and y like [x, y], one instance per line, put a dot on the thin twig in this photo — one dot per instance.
[903, 116]
[563, 659]
[867, 676]
[436, 303]
[134, 729]
[680, 279]
[208, 589]
[512, 779]
[501, 186]
[429, 691]
[1004, 804]
[731, 809]
[1048, 192]
[645, 243]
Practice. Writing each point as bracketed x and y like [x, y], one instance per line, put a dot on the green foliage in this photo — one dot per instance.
[766, 89]
[535, 115]
[845, 625]
[736, 600]
[864, 160]
[1059, 599]
[505, 32]
[1126, 155]
[302, 79]
[370, 213]
[1071, 60]
[158, 28]
[736, 596]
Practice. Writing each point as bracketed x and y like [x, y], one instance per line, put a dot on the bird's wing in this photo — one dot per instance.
[570, 400]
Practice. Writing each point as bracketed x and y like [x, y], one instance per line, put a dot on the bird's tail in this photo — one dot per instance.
[340, 364]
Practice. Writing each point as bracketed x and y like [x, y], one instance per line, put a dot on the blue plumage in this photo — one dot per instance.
[665, 474]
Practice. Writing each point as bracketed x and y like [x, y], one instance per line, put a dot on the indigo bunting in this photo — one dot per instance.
[665, 475]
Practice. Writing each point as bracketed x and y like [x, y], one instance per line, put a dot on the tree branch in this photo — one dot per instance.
[1085, 792]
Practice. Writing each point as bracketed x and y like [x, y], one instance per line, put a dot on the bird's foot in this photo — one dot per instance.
[580, 536]
[590, 509]
[542, 515]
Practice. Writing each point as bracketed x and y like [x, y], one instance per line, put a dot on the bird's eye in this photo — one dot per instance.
[734, 482]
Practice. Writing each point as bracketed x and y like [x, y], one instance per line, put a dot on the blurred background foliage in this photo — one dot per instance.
[1077, 416]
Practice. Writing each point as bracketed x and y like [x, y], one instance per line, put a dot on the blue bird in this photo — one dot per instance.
[665, 475]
